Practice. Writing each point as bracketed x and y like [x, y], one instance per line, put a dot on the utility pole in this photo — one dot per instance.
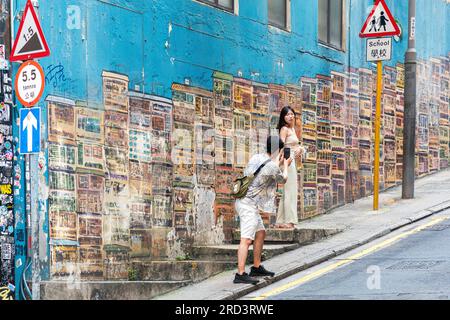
[409, 130]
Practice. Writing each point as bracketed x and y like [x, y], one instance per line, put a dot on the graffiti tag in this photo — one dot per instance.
[55, 75]
[5, 189]
[5, 294]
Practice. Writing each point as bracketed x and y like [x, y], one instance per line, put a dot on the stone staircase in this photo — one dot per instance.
[188, 270]
[277, 241]
[152, 278]
[295, 236]
[228, 252]
[208, 261]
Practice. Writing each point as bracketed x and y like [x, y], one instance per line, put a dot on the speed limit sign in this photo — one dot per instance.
[30, 83]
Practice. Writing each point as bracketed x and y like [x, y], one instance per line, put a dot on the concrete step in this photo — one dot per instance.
[107, 290]
[228, 252]
[188, 270]
[298, 236]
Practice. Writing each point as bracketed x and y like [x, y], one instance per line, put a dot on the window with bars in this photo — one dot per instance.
[279, 12]
[222, 4]
[331, 13]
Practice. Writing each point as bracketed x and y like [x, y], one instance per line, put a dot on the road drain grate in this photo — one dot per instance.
[438, 227]
[414, 265]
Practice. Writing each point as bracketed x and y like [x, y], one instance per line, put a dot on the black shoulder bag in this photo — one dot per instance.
[241, 184]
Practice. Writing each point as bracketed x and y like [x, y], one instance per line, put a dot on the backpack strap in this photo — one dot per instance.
[261, 167]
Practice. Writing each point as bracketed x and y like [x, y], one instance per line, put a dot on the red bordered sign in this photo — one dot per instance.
[30, 42]
[380, 22]
[29, 83]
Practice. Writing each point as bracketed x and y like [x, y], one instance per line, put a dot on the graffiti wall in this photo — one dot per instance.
[7, 247]
[7, 220]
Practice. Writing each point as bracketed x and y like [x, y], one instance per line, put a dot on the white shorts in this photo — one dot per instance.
[250, 219]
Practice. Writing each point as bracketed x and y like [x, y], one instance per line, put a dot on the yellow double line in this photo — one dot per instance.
[349, 260]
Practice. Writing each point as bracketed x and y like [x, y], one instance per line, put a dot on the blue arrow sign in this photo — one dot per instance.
[30, 130]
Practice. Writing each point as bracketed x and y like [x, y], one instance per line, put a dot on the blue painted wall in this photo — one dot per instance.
[433, 28]
[157, 43]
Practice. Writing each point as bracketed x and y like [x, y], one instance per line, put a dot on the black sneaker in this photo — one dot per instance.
[244, 278]
[260, 272]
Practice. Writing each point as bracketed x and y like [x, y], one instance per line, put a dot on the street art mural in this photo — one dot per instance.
[140, 175]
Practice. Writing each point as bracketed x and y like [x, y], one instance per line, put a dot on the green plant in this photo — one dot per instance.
[184, 257]
[132, 274]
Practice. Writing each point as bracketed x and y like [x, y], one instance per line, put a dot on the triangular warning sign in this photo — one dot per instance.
[380, 22]
[30, 42]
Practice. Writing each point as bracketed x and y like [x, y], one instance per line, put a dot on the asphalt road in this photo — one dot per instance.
[410, 263]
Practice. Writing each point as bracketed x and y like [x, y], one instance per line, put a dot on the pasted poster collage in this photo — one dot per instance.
[7, 225]
[432, 115]
[125, 175]
[110, 181]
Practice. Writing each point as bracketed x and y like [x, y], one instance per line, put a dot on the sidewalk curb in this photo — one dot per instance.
[423, 214]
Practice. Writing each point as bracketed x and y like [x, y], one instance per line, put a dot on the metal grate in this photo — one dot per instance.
[438, 227]
[414, 265]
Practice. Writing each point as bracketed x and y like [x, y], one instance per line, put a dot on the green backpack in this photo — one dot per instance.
[241, 184]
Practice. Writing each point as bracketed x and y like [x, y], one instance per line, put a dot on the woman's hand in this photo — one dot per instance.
[299, 152]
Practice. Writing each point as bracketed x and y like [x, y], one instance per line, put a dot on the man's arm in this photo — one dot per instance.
[282, 175]
[286, 164]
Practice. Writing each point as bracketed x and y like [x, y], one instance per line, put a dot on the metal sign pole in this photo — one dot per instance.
[36, 273]
[29, 86]
[28, 203]
[378, 50]
[376, 171]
